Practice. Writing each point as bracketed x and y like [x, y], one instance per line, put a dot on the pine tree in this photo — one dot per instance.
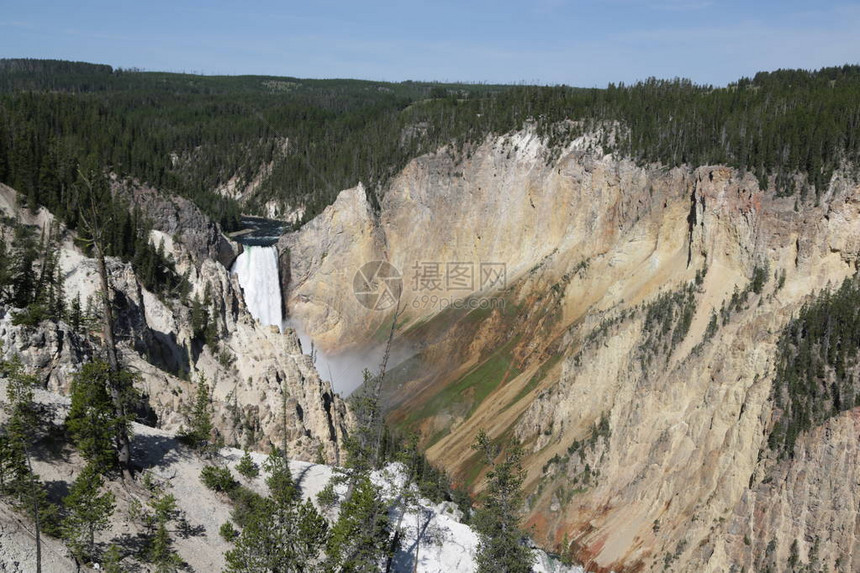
[246, 466]
[88, 512]
[16, 472]
[161, 552]
[76, 314]
[58, 291]
[156, 516]
[200, 420]
[502, 548]
[111, 560]
[92, 421]
[199, 317]
[360, 540]
[281, 533]
[5, 269]
[365, 448]
[94, 195]
[23, 274]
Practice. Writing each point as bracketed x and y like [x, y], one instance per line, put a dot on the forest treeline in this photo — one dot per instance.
[190, 134]
[305, 140]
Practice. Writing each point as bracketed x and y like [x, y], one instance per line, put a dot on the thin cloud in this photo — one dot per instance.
[18, 24]
[681, 5]
[666, 5]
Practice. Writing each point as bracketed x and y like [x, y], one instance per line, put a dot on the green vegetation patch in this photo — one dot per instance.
[473, 387]
[667, 321]
[536, 378]
[817, 365]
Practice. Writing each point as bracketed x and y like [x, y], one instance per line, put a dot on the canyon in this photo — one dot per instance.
[645, 449]
[264, 391]
[646, 294]
[620, 321]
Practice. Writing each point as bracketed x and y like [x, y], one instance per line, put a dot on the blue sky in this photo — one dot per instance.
[575, 42]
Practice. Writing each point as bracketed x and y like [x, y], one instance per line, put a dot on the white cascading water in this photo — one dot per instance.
[257, 268]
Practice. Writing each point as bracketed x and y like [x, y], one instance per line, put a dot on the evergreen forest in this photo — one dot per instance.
[301, 141]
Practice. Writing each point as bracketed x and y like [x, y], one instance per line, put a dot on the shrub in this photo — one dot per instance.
[228, 532]
[247, 467]
[218, 479]
[327, 497]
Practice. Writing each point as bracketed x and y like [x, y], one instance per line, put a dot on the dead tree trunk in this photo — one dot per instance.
[92, 223]
[377, 389]
[123, 444]
[33, 485]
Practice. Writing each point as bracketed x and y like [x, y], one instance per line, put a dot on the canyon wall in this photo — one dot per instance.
[265, 391]
[646, 436]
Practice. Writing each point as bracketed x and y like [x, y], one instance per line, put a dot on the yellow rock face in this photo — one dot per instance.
[588, 241]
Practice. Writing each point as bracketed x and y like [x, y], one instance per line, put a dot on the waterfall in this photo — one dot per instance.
[257, 268]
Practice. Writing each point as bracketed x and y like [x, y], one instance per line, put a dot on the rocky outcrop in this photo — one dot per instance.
[589, 242]
[807, 507]
[180, 218]
[53, 351]
[323, 258]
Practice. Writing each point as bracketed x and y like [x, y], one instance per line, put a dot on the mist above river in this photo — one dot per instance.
[345, 369]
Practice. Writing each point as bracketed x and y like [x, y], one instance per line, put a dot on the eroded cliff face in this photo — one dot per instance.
[811, 500]
[646, 436]
[262, 385]
[503, 204]
[264, 390]
[178, 217]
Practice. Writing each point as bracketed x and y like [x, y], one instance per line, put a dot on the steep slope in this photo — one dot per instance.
[436, 531]
[630, 347]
